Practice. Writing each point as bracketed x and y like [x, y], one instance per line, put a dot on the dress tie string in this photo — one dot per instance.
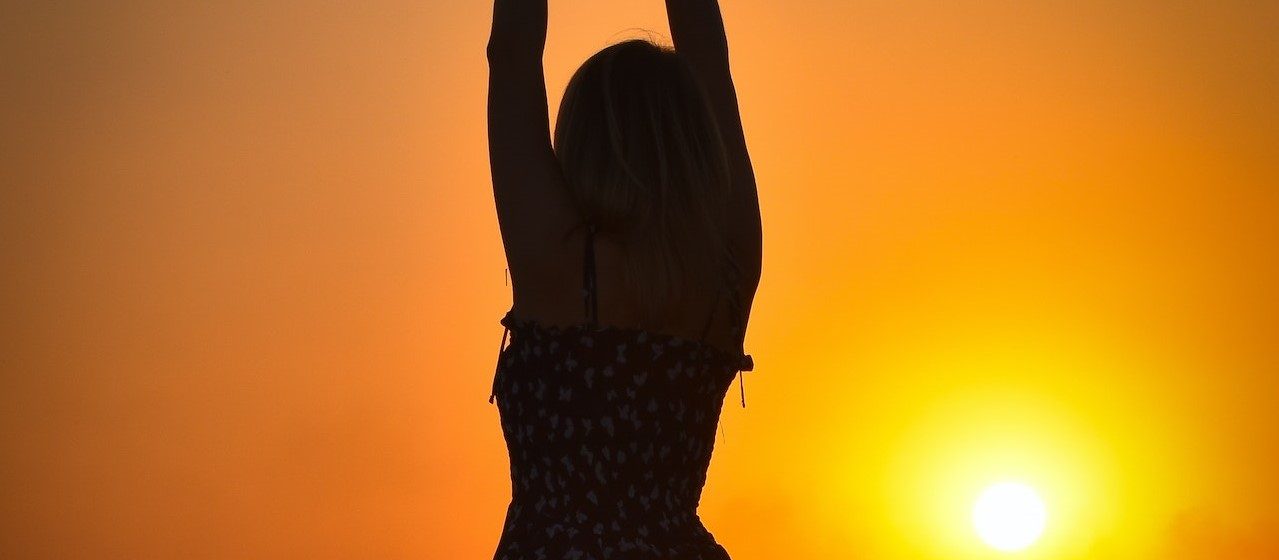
[746, 364]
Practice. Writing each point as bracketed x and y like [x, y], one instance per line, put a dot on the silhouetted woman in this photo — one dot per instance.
[633, 244]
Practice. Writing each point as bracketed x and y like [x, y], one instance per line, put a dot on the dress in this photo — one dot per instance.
[610, 432]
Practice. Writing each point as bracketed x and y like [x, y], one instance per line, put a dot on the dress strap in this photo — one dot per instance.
[589, 287]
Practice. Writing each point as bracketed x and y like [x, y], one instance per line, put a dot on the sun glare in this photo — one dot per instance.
[1009, 516]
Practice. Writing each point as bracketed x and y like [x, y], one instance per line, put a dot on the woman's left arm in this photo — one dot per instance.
[534, 210]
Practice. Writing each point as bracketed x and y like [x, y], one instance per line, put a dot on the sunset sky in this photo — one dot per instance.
[253, 277]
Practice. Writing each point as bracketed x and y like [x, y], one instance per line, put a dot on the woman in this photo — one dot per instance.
[633, 244]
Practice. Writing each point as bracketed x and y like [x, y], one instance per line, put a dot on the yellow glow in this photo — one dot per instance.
[1009, 516]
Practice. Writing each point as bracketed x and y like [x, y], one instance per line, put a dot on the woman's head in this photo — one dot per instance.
[644, 160]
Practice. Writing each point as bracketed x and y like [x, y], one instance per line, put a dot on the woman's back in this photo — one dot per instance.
[560, 300]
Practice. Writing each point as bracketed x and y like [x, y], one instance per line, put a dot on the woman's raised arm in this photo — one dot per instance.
[534, 210]
[697, 29]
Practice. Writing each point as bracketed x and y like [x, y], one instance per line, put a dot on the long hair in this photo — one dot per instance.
[645, 163]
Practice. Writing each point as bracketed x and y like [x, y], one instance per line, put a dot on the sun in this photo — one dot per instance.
[1009, 516]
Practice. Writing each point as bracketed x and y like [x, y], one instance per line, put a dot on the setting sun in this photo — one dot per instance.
[1009, 516]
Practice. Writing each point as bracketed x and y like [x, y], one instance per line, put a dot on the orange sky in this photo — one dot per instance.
[253, 278]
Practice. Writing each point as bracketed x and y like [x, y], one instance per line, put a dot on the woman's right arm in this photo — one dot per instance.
[697, 29]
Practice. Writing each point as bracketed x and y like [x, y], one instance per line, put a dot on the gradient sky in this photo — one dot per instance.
[253, 277]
